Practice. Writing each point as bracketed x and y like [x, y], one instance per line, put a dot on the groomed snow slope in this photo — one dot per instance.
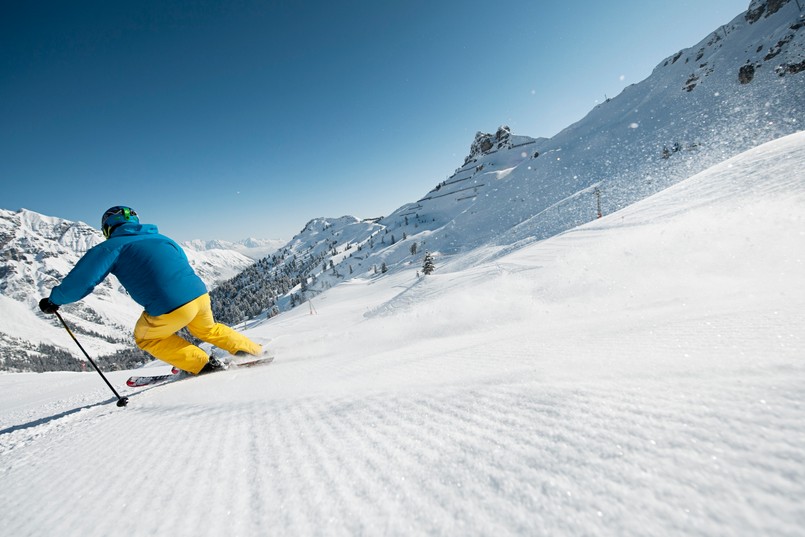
[640, 375]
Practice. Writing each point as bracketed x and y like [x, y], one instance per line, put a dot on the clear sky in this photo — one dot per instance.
[247, 118]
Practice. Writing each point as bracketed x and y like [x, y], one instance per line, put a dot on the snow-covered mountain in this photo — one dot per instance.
[699, 107]
[217, 264]
[37, 251]
[740, 86]
[280, 281]
[252, 248]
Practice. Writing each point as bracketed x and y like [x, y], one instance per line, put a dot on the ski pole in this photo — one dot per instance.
[121, 401]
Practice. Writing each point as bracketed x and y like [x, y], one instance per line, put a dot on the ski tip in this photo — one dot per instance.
[252, 361]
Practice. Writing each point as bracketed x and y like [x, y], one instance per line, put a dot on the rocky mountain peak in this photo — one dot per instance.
[763, 8]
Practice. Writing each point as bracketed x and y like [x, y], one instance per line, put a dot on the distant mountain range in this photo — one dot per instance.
[252, 248]
[740, 86]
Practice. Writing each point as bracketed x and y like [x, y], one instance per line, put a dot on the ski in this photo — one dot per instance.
[250, 361]
[139, 381]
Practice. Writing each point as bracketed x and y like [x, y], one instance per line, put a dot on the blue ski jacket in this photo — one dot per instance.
[152, 267]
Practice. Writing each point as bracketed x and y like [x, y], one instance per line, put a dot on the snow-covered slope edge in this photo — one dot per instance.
[726, 242]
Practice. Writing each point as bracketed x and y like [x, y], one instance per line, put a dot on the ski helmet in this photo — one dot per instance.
[116, 216]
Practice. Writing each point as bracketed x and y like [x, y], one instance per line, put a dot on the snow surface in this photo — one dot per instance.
[639, 375]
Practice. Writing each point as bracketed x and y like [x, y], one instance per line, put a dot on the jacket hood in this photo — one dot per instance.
[134, 229]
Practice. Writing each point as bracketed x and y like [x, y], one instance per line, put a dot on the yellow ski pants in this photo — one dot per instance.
[157, 335]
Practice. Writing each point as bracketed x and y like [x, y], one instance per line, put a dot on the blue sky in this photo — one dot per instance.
[235, 119]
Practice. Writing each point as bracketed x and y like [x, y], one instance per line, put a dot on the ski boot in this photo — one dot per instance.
[212, 365]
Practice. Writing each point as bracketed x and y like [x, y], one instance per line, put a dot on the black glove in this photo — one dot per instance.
[47, 306]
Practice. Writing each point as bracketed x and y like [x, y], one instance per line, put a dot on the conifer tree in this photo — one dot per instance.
[427, 264]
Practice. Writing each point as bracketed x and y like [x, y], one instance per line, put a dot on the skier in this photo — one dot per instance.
[156, 273]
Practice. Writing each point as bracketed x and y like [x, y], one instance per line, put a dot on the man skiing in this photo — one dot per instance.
[156, 273]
